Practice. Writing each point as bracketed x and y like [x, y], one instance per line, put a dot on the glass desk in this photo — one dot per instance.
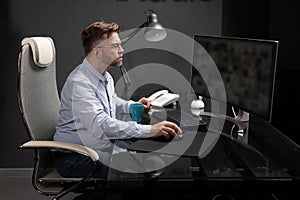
[266, 161]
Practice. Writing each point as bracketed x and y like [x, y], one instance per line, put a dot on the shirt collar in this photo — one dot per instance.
[104, 78]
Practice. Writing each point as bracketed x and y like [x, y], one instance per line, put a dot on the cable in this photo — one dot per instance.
[231, 131]
[232, 108]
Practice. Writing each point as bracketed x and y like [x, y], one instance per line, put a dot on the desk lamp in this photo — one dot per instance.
[154, 32]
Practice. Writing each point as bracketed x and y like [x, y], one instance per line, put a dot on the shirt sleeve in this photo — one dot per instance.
[89, 113]
[122, 106]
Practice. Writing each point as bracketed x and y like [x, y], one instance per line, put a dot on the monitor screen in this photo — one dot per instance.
[247, 68]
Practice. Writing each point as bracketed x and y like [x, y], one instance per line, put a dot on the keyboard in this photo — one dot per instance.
[184, 119]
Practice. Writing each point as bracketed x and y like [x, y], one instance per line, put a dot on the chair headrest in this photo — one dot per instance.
[42, 49]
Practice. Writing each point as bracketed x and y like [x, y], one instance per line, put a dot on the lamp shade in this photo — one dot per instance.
[154, 31]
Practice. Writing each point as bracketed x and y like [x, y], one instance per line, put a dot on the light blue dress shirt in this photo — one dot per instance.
[88, 111]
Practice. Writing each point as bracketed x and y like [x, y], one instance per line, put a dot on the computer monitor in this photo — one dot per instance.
[247, 68]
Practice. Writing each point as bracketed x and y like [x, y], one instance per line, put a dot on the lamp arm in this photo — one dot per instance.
[133, 33]
[124, 73]
[125, 76]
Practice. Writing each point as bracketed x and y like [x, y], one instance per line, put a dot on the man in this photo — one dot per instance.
[89, 105]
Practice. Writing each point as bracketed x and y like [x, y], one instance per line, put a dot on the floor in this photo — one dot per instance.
[16, 184]
[18, 188]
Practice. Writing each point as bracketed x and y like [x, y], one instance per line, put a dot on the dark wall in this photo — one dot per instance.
[64, 21]
[246, 18]
[284, 26]
[276, 20]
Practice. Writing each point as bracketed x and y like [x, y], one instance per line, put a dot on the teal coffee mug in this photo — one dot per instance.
[136, 111]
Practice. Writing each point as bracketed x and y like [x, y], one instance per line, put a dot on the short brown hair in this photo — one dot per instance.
[95, 32]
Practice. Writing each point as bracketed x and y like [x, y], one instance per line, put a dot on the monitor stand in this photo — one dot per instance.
[243, 117]
[241, 120]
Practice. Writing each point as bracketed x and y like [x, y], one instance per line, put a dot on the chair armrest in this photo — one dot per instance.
[62, 145]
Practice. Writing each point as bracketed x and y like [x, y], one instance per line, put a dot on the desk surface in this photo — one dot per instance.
[266, 156]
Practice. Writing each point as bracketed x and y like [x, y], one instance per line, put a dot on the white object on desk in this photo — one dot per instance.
[163, 98]
[157, 94]
[199, 104]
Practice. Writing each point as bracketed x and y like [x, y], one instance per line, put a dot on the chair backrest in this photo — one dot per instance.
[39, 102]
[38, 96]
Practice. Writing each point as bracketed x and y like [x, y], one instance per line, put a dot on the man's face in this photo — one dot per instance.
[112, 50]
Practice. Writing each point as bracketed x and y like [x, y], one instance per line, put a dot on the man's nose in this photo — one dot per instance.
[121, 50]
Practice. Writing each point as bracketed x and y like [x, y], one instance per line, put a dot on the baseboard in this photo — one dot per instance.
[16, 172]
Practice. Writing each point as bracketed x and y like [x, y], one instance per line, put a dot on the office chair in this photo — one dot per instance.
[39, 105]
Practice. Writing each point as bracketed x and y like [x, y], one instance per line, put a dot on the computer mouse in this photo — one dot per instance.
[178, 136]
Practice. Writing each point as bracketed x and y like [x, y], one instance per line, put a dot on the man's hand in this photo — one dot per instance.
[146, 103]
[165, 129]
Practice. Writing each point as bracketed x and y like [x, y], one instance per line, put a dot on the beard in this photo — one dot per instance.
[116, 63]
[113, 63]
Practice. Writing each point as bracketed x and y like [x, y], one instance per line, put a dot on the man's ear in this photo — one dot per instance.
[98, 54]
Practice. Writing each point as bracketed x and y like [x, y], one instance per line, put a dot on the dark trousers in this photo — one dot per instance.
[76, 165]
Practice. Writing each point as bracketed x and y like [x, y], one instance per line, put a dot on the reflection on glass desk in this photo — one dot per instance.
[267, 159]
